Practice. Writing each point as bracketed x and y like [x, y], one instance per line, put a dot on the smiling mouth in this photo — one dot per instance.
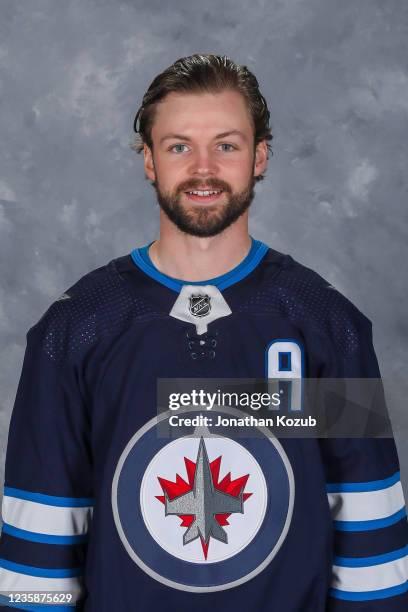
[205, 195]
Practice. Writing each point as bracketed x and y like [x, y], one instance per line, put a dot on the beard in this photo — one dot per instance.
[205, 220]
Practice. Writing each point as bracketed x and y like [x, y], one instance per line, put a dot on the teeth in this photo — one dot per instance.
[204, 193]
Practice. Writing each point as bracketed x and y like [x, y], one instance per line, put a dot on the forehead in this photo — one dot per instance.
[201, 112]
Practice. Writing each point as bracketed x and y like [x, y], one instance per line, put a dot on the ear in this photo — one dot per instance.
[149, 163]
[261, 158]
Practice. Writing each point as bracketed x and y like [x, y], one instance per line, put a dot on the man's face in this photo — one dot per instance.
[204, 142]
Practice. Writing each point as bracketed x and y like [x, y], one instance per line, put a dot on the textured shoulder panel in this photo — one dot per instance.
[98, 304]
[301, 295]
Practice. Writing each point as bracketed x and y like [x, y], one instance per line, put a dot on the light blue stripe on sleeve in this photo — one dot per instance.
[369, 595]
[370, 561]
[40, 572]
[359, 487]
[370, 525]
[49, 500]
[19, 578]
[43, 538]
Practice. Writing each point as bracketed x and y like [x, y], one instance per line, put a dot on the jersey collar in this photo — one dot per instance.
[258, 249]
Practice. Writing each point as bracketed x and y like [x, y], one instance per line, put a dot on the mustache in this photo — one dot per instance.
[210, 184]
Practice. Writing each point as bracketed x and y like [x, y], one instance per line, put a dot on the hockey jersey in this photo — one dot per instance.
[98, 505]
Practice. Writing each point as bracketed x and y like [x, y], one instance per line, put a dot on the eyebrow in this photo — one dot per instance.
[222, 135]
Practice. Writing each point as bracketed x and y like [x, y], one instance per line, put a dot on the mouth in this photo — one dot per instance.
[204, 195]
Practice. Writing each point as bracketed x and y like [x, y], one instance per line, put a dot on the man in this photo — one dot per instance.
[96, 503]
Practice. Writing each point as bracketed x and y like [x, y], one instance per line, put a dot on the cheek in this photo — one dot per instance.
[169, 173]
[170, 162]
[237, 170]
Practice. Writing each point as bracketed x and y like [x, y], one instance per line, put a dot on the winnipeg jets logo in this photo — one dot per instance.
[202, 512]
[203, 503]
[200, 305]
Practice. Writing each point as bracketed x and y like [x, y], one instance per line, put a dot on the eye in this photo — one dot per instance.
[226, 144]
[179, 150]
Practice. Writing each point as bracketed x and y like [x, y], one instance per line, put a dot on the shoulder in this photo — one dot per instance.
[300, 294]
[100, 303]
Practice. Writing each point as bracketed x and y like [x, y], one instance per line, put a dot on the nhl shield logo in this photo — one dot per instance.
[202, 513]
[200, 305]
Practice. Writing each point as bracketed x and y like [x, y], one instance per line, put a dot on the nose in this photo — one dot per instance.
[203, 163]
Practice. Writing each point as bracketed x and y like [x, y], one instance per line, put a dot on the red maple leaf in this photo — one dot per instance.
[180, 486]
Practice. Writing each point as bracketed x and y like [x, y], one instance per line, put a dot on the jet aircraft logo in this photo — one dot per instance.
[204, 503]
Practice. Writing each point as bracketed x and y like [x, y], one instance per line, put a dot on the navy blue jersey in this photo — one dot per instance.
[97, 504]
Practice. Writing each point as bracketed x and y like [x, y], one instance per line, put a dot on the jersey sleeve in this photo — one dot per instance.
[370, 531]
[47, 500]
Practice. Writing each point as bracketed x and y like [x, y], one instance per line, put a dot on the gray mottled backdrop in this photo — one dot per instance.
[73, 194]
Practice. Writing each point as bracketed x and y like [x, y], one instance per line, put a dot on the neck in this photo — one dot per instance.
[190, 258]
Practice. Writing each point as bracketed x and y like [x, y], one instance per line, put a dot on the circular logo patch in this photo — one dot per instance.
[203, 512]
